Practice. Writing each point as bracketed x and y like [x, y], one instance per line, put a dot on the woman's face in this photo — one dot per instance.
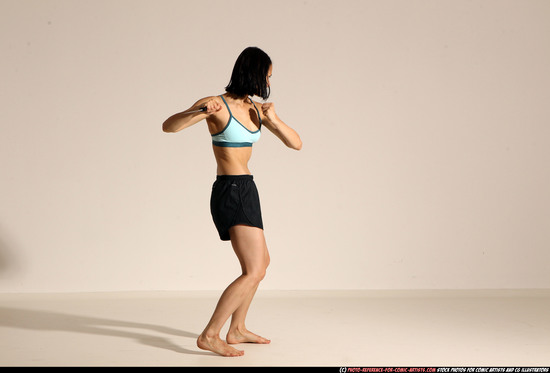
[269, 75]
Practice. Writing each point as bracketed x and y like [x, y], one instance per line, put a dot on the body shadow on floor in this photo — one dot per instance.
[48, 321]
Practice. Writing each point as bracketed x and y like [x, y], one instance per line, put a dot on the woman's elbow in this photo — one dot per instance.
[166, 127]
[297, 145]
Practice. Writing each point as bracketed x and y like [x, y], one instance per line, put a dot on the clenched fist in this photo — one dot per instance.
[212, 106]
[269, 111]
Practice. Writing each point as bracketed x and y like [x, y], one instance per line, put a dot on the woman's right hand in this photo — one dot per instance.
[212, 106]
[182, 120]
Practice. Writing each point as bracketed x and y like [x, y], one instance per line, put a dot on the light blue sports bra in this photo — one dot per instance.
[235, 134]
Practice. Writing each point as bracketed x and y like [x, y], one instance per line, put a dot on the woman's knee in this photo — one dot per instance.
[267, 259]
[256, 275]
[264, 268]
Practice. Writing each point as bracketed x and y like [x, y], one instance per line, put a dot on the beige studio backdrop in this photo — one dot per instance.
[426, 131]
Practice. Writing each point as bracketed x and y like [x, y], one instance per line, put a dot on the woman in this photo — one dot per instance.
[235, 123]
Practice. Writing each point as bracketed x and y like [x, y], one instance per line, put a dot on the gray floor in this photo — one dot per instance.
[332, 328]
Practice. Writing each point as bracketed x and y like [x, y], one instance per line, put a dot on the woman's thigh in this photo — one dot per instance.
[250, 246]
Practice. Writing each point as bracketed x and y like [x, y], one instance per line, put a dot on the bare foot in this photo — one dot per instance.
[240, 336]
[218, 346]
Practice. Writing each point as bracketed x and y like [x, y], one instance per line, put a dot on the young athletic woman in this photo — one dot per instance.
[235, 121]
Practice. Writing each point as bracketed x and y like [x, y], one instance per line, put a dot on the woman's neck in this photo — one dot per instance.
[240, 99]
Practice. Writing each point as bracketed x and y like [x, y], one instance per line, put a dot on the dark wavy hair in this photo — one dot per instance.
[250, 73]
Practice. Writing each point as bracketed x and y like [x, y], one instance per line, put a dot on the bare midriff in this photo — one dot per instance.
[232, 161]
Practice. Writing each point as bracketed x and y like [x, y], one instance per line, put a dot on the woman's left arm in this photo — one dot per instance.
[286, 134]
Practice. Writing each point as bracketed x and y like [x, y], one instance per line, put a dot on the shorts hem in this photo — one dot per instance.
[225, 236]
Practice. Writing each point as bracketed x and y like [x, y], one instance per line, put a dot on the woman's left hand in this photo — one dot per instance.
[269, 111]
[279, 128]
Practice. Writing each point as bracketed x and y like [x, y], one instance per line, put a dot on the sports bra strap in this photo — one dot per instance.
[231, 114]
[259, 117]
[227, 106]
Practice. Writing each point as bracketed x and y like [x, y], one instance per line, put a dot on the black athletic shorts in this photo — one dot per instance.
[234, 201]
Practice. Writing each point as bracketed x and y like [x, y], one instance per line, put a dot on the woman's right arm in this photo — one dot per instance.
[182, 120]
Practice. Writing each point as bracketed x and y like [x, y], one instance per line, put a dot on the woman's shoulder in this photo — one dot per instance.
[257, 103]
[209, 98]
